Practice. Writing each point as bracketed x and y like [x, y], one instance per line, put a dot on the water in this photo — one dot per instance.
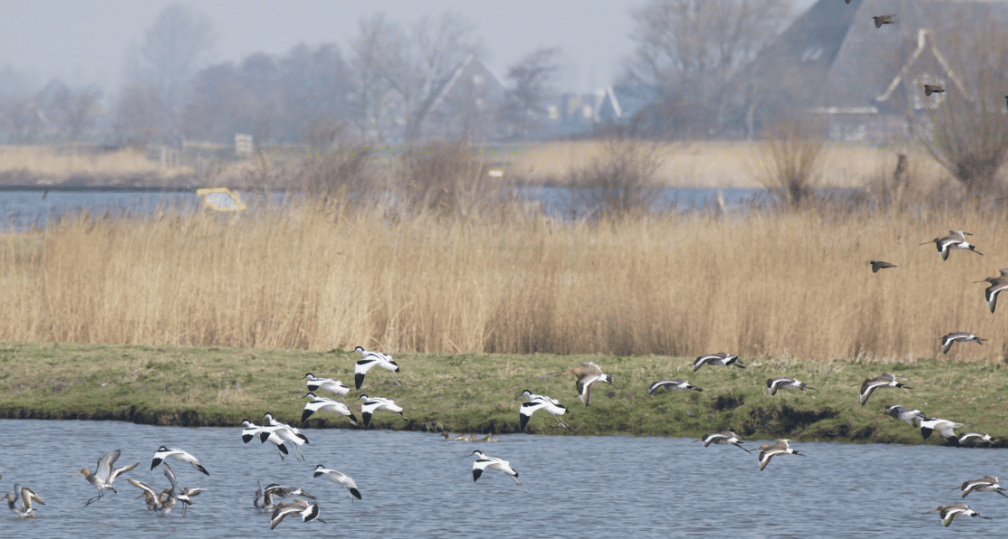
[417, 485]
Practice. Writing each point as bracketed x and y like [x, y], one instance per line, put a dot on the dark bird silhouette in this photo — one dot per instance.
[880, 264]
[933, 89]
[883, 19]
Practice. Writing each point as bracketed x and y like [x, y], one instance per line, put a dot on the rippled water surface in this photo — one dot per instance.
[417, 485]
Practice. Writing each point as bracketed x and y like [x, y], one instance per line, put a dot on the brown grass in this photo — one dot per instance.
[317, 277]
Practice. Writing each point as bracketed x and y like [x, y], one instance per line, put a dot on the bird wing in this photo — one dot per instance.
[104, 470]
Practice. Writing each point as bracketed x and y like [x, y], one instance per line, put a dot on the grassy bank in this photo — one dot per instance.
[475, 393]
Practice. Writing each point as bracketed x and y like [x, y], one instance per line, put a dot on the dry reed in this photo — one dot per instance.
[321, 276]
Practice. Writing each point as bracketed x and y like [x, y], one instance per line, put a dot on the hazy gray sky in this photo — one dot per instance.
[84, 43]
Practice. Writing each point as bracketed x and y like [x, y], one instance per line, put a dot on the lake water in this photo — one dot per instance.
[417, 485]
[22, 208]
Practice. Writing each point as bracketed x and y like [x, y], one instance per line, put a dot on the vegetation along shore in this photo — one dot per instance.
[475, 393]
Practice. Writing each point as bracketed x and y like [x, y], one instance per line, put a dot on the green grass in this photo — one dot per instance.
[475, 392]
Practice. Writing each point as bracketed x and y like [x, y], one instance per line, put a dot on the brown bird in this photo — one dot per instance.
[949, 512]
[997, 284]
[933, 89]
[879, 264]
[883, 19]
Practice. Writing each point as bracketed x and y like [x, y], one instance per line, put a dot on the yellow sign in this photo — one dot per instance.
[221, 199]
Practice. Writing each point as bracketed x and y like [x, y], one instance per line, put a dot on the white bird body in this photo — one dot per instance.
[723, 438]
[484, 462]
[339, 478]
[943, 426]
[589, 375]
[534, 405]
[177, 454]
[307, 511]
[328, 405]
[769, 451]
[672, 385]
[335, 387]
[369, 360]
[105, 474]
[27, 498]
[949, 512]
[373, 404]
[252, 430]
[285, 432]
[536, 397]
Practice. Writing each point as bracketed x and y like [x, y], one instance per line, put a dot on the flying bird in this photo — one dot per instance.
[959, 336]
[592, 373]
[976, 438]
[904, 414]
[887, 379]
[721, 358]
[252, 430]
[177, 454]
[533, 405]
[769, 451]
[308, 511]
[484, 462]
[27, 498]
[177, 492]
[943, 426]
[339, 478]
[326, 384]
[883, 19]
[880, 264]
[786, 382]
[949, 512]
[987, 483]
[373, 404]
[997, 284]
[955, 240]
[672, 385]
[151, 498]
[105, 474]
[933, 89]
[327, 405]
[371, 359]
[723, 438]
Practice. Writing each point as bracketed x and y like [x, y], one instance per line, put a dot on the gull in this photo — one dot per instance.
[976, 438]
[723, 438]
[177, 454]
[339, 478]
[308, 511]
[151, 498]
[373, 404]
[887, 379]
[328, 405]
[721, 358]
[876, 265]
[27, 497]
[955, 240]
[672, 385]
[961, 336]
[883, 19]
[987, 483]
[484, 462]
[904, 414]
[371, 359]
[997, 284]
[943, 426]
[252, 430]
[769, 451]
[949, 512]
[534, 405]
[785, 382]
[933, 89]
[176, 493]
[105, 474]
[589, 375]
[285, 432]
[326, 384]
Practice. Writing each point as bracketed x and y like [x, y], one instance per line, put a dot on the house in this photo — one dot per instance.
[467, 105]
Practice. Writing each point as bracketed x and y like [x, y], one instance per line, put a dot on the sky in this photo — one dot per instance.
[85, 43]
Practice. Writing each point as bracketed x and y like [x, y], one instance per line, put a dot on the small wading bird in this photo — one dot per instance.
[26, 496]
[987, 483]
[723, 438]
[721, 358]
[769, 451]
[976, 438]
[373, 404]
[371, 359]
[308, 511]
[887, 379]
[904, 414]
[326, 384]
[328, 405]
[484, 462]
[933, 89]
[589, 375]
[339, 478]
[883, 19]
[252, 430]
[943, 426]
[955, 240]
[177, 454]
[672, 385]
[949, 512]
[105, 474]
[959, 336]
[785, 382]
[997, 284]
[879, 264]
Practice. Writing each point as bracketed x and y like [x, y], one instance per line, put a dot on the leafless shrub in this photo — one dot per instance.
[620, 180]
[791, 161]
[447, 178]
[345, 169]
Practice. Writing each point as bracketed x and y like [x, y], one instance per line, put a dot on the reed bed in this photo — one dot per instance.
[318, 276]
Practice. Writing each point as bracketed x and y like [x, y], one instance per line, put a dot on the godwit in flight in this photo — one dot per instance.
[887, 379]
[723, 438]
[785, 382]
[769, 451]
[105, 474]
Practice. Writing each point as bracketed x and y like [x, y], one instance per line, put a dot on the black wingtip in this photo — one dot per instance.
[154, 463]
[356, 493]
[358, 380]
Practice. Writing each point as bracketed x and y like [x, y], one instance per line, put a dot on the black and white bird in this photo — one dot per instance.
[177, 492]
[328, 405]
[252, 430]
[721, 358]
[769, 451]
[373, 404]
[955, 240]
[105, 474]
[285, 432]
[535, 396]
[308, 511]
[591, 374]
[672, 385]
[886, 379]
[544, 403]
[904, 414]
[997, 285]
[959, 336]
[177, 454]
[785, 382]
[371, 359]
[339, 478]
[484, 462]
[976, 438]
[335, 387]
[949, 512]
[723, 438]
[987, 483]
[943, 426]
[27, 497]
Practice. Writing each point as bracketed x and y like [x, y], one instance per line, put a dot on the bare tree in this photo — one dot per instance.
[532, 80]
[373, 55]
[20, 118]
[692, 50]
[138, 114]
